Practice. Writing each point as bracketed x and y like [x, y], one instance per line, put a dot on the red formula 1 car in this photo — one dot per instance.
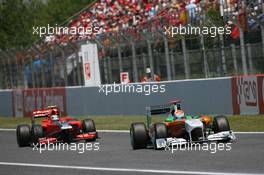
[54, 129]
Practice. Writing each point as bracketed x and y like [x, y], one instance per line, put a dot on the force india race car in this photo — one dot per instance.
[54, 129]
[178, 128]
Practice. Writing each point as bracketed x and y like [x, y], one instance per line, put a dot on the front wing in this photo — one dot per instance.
[90, 135]
[221, 136]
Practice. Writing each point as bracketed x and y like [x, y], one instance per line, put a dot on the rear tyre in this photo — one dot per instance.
[220, 124]
[160, 132]
[138, 135]
[23, 135]
[89, 126]
[36, 133]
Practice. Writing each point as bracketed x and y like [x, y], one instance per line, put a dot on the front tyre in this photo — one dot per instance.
[36, 133]
[89, 126]
[23, 135]
[160, 132]
[220, 124]
[138, 135]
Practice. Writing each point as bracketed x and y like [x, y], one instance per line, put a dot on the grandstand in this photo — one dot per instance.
[131, 38]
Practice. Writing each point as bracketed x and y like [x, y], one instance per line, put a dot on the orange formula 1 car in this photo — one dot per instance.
[178, 128]
[54, 129]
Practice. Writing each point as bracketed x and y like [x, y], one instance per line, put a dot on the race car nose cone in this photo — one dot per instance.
[192, 124]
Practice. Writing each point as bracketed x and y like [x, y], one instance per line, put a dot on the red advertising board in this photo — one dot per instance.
[261, 93]
[31, 99]
[247, 94]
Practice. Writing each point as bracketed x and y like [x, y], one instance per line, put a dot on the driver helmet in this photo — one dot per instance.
[179, 114]
[54, 115]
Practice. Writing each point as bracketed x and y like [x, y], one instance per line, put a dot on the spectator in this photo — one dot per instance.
[148, 78]
[191, 7]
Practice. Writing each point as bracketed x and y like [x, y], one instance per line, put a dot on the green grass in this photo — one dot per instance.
[237, 123]
[246, 123]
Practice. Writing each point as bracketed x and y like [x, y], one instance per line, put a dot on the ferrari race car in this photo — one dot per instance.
[54, 129]
[178, 128]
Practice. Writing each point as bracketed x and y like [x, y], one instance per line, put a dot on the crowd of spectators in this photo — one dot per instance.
[107, 16]
[115, 15]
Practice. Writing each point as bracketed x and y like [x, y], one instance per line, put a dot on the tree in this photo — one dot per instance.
[18, 17]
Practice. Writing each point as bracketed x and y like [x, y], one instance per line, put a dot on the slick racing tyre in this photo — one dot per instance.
[36, 133]
[23, 135]
[160, 132]
[220, 124]
[89, 126]
[138, 135]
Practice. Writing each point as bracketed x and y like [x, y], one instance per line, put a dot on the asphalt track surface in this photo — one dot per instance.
[115, 157]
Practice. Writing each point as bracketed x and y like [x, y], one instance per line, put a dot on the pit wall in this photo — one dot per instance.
[229, 95]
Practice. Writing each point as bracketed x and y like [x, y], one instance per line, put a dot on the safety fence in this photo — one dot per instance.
[63, 66]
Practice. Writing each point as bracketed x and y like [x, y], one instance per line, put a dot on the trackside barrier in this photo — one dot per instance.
[26, 100]
[6, 103]
[203, 96]
[229, 95]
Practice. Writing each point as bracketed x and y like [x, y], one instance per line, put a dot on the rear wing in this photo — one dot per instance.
[156, 110]
[40, 114]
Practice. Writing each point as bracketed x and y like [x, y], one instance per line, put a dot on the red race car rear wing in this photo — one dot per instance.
[40, 114]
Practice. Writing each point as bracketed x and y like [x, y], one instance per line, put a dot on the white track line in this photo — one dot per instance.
[118, 131]
[119, 169]
[250, 132]
[4, 129]
[127, 131]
